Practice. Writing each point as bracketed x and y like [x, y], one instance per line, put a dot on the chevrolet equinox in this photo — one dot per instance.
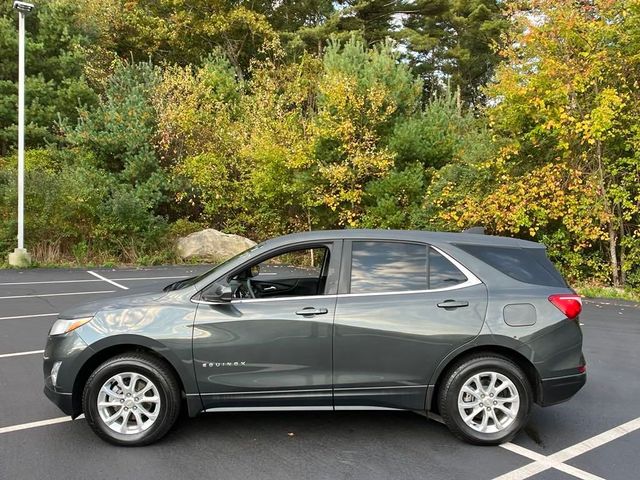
[468, 329]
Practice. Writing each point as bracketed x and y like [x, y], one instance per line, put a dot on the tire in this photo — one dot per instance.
[125, 417]
[506, 406]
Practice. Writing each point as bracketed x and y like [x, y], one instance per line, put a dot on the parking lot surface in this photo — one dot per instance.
[595, 435]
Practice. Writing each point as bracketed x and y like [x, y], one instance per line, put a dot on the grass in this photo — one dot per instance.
[599, 291]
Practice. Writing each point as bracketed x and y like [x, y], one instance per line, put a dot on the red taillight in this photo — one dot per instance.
[582, 368]
[570, 305]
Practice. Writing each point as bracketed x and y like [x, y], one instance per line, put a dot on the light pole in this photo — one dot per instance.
[20, 257]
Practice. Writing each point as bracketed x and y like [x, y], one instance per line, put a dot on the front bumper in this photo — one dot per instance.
[560, 389]
[71, 351]
[62, 400]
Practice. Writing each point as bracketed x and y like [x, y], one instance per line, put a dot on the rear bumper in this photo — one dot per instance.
[62, 400]
[561, 389]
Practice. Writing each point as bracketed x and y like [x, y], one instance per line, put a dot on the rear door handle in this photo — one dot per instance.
[312, 311]
[453, 304]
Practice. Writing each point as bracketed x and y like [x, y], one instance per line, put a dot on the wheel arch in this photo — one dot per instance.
[510, 353]
[105, 351]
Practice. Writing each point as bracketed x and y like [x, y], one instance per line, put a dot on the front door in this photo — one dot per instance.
[271, 345]
[407, 306]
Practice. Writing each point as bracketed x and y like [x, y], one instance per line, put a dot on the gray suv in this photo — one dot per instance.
[464, 328]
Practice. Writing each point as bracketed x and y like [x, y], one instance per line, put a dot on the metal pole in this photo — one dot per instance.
[21, 130]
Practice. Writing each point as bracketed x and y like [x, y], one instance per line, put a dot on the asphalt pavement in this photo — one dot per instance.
[594, 435]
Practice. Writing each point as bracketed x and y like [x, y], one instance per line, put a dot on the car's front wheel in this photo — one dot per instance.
[485, 399]
[131, 399]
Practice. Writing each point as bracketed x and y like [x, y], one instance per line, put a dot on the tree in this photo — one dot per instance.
[55, 82]
[361, 94]
[567, 93]
[452, 44]
[374, 20]
[179, 31]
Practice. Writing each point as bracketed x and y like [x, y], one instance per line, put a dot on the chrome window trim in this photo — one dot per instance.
[472, 280]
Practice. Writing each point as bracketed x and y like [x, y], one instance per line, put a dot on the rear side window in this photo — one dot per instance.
[388, 267]
[378, 267]
[528, 265]
[443, 273]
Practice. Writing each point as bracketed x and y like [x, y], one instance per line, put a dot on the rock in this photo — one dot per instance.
[212, 245]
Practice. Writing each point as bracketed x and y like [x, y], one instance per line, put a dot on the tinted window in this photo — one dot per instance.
[307, 263]
[529, 265]
[388, 267]
[443, 273]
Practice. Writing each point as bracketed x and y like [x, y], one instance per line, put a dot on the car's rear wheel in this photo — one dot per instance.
[485, 399]
[131, 399]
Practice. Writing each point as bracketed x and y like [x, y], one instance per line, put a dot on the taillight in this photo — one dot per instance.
[570, 305]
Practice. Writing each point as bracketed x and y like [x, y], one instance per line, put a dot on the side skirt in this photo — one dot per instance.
[298, 409]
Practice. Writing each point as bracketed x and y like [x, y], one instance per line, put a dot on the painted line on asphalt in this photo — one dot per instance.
[133, 279]
[127, 279]
[97, 275]
[540, 463]
[56, 294]
[41, 423]
[556, 460]
[29, 316]
[19, 354]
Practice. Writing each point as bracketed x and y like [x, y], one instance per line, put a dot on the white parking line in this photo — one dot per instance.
[127, 279]
[97, 275]
[56, 294]
[556, 460]
[541, 463]
[41, 423]
[133, 279]
[19, 354]
[29, 316]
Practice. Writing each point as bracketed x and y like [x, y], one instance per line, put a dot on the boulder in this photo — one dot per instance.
[212, 245]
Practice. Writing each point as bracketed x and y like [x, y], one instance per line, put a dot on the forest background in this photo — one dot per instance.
[148, 120]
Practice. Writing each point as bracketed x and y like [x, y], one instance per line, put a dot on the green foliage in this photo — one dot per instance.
[451, 44]
[55, 84]
[151, 120]
[395, 201]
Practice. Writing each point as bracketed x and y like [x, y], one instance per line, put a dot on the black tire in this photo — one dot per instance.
[163, 379]
[465, 370]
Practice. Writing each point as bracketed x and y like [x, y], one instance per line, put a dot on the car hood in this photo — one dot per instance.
[115, 303]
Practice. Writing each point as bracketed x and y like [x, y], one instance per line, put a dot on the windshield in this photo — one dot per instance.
[188, 282]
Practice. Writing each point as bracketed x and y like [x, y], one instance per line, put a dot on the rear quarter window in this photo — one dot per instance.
[528, 265]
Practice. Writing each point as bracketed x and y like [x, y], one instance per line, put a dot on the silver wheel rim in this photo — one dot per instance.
[488, 402]
[129, 403]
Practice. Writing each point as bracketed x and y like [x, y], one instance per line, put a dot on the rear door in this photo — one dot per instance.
[402, 308]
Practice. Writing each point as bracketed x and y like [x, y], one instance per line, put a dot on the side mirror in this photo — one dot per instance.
[218, 294]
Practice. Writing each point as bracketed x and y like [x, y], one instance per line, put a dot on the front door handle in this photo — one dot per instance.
[453, 304]
[312, 311]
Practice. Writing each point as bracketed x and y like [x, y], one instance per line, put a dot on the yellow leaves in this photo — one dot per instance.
[551, 193]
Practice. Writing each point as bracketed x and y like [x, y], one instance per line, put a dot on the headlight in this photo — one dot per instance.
[65, 326]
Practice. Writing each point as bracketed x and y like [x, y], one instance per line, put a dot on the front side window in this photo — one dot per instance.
[388, 267]
[290, 274]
